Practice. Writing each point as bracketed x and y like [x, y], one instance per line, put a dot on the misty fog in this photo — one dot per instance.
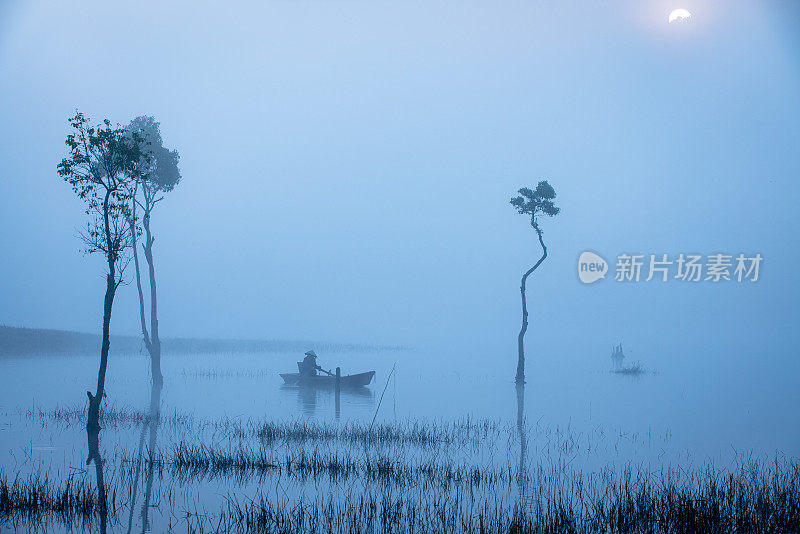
[346, 174]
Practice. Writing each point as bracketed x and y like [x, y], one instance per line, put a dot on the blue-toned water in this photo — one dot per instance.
[583, 418]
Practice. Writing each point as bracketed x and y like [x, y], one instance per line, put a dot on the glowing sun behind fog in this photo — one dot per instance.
[679, 15]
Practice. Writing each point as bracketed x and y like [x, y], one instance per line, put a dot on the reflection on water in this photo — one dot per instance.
[310, 398]
[233, 429]
[705, 409]
[153, 421]
[150, 426]
[93, 439]
[523, 440]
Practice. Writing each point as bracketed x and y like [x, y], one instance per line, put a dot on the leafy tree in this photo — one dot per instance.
[99, 165]
[535, 203]
[156, 173]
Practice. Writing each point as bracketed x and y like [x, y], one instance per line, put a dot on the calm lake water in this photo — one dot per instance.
[587, 418]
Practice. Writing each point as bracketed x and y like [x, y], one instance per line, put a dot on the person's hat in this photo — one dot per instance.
[311, 353]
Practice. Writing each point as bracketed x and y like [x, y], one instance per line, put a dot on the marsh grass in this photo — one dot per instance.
[402, 432]
[195, 462]
[404, 476]
[755, 497]
[37, 499]
[413, 433]
[110, 417]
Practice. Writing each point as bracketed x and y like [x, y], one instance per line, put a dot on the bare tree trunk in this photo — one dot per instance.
[93, 418]
[520, 340]
[151, 339]
[93, 415]
[155, 340]
[142, 318]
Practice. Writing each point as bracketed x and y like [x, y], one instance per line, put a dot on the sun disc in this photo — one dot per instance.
[679, 14]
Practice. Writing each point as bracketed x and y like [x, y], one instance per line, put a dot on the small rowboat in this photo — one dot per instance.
[345, 381]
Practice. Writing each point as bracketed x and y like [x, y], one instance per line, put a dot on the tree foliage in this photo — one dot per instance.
[537, 202]
[101, 161]
[157, 169]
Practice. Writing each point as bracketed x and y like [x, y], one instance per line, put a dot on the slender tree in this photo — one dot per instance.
[535, 203]
[156, 173]
[100, 162]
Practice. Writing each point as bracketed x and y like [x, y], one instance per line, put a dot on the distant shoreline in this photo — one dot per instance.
[20, 341]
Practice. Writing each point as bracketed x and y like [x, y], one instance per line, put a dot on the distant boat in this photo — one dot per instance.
[618, 356]
[346, 381]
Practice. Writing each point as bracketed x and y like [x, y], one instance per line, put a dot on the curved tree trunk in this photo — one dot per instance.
[155, 340]
[152, 341]
[520, 379]
[142, 318]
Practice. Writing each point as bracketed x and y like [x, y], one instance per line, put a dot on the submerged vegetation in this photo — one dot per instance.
[407, 433]
[752, 498]
[426, 495]
[38, 501]
[237, 474]
[399, 476]
[634, 368]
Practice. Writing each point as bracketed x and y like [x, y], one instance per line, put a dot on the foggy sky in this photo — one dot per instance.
[347, 167]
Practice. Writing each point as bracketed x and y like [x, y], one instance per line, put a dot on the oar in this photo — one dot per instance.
[324, 371]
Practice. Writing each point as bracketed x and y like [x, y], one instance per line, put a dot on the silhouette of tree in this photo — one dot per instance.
[535, 203]
[156, 173]
[99, 165]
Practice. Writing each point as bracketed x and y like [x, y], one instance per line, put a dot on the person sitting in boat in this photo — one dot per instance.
[309, 366]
